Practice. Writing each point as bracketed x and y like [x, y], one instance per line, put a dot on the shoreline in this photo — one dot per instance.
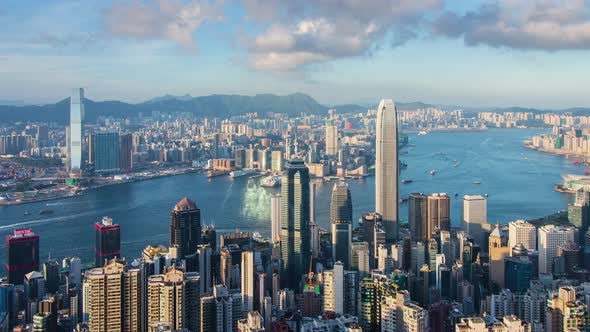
[555, 152]
[112, 182]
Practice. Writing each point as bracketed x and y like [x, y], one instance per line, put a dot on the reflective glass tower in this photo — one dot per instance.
[75, 132]
[386, 167]
[341, 221]
[185, 227]
[295, 236]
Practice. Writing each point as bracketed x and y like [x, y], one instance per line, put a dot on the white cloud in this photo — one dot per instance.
[172, 20]
[542, 25]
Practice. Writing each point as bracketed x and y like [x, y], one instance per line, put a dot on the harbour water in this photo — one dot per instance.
[519, 183]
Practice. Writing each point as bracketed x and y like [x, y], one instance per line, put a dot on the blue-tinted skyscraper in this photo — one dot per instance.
[341, 220]
[106, 152]
[76, 131]
[8, 303]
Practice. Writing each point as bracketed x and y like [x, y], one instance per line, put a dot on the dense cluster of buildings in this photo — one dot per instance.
[380, 276]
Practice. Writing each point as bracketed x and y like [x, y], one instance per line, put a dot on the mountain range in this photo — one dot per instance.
[212, 105]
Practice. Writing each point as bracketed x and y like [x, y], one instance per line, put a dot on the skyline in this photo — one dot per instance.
[430, 51]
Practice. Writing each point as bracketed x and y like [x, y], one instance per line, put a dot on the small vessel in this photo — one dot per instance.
[403, 200]
[476, 182]
[271, 182]
[406, 181]
[46, 212]
[432, 171]
[456, 194]
[422, 132]
[244, 172]
[486, 195]
[27, 213]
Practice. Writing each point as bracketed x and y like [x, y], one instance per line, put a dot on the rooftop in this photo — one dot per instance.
[185, 204]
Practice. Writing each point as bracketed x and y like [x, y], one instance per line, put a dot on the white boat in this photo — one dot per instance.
[432, 171]
[244, 172]
[272, 181]
[422, 132]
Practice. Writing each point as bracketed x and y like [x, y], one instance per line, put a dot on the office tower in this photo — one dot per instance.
[34, 287]
[312, 187]
[126, 152]
[334, 289]
[379, 237]
[474, 216]
[439, 214]
[263, 158]
[106, 152]
[498, 246]
[225, 267]
[277, 161]
[174, 297]
[341, 220]
[568, 257]
[295, 237]
[418, 216]
[268, 312]
[397, 256]
[578, 212]
[240, 158]
[220, 310]
[51, 276]
[331, 139]
[209, 236]
[314, 229]
[74, 266]
[518, 272]
[185, 227]
[447, 246]
[522, 232]
[351, 296]
[383, 259]
[203, 267]
[23, 254]
[358, 249]
[565, 313]
[112, 296]
[550, 237]
[107, 241]
[312, 300]
[8, 304]
[248, 280]
[275, 218]
[252, 323]
[386, 167]
[76, 133]
[415, 318]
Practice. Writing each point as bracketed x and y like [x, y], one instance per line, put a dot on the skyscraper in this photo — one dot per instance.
[295, 237]
[386, 167]
[341, 220]
[275, 218]
[331, 139]
[106, 152]
[112, 298]
[185, 227]
[126, 152]
[23, 254]
[76, 130]
[474, 216]
[439, 214]
[107, 241]
[418, 216]
[522, 232]
[248, 280]
[551, 237]
[174, 297]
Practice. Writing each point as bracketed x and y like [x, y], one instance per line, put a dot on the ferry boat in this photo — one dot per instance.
[271, 182]
[244, 172]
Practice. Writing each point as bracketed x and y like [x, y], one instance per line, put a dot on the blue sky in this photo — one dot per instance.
[474, 53]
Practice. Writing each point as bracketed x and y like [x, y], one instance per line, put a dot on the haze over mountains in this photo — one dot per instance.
[213, 105]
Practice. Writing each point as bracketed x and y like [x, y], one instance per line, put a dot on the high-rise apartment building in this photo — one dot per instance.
[221, 310]
[550, 237]
[248, 280]
[295, 236]
[474, 216]
[277, 161]
[522, 232]
[23, 254]
[107, 243]
[331, 139]
[185, 227]
[76, 131]
[334, 289]
[275, 218]
[386, 168]
[341, 220]
[174, 297]
[112, 298]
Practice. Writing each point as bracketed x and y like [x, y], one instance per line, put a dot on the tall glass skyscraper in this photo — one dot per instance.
[386, 167]
[23, 254]
[107, 243]
[76, 130]
[185, 227]
[106, 150]
[295, 235]
[341, 220]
